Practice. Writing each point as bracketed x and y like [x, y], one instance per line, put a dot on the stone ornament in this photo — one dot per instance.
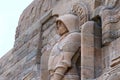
[65, 53]
[114, 76]
[110, 21]
[80, 9]
[111, 3]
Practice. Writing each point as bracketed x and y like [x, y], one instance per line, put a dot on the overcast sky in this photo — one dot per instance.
[10, 11]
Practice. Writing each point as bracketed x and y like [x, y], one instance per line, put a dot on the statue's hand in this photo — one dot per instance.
[58, 74]
[51, 73]
[56, 77]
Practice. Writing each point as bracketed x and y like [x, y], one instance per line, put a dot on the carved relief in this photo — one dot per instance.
[48, 39]
[110, 3]
[115, 53]
[40, 50]
[81, 10]
[114, 76]
[65, 53]
[110, 22]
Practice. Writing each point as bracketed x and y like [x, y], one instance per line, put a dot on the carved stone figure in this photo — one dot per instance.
[110, 21]
[65, 53]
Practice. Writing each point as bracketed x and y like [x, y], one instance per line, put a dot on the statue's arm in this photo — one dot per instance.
[63, 66]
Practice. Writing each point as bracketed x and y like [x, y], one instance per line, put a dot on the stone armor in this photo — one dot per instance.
[65, 53]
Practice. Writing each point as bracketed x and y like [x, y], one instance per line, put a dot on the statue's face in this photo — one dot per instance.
[61, 28]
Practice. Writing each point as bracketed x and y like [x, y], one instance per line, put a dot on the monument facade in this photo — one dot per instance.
[65, 40]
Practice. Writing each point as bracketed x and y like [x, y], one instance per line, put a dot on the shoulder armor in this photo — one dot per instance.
[71, 43]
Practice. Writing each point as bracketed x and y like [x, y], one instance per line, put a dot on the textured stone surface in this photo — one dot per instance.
[87, 51]
[36, 35]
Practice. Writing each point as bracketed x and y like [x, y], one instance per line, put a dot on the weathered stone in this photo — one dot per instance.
[87, 51]
[110, 19]
[36, 34]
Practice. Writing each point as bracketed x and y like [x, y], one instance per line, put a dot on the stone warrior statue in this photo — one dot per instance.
[65, 53]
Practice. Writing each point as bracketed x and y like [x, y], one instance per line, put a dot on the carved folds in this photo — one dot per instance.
[110, 22]
[114, 76]
[81, 10]
[65, 53]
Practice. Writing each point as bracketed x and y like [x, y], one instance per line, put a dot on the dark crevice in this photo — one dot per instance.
[98, 46]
